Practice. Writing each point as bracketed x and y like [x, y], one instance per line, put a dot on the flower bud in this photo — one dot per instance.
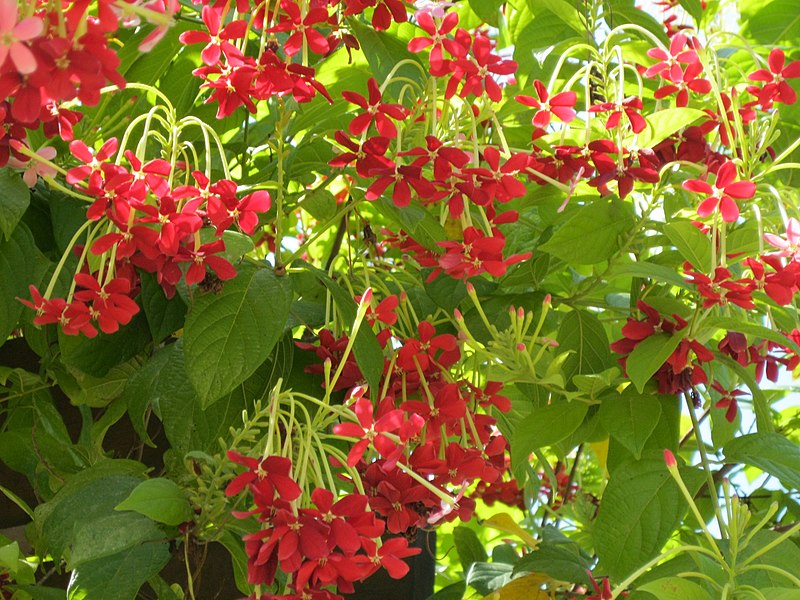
[669, 459]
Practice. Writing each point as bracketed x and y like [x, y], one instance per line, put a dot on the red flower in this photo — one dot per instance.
[301, 28]
[268, 475]
[689, 82]
[721, 194]
[630, 107]
[217, 39]
[370, 432]
[110, 304]
[477, 71]
[423, 352]
[376, 111]
[437, 39]
[477, 254]
[728, 401]
[668, 66]
[722, 289]
[225, 209]
[561, 105]
[93, 163]
[206, 256]
[775, 77]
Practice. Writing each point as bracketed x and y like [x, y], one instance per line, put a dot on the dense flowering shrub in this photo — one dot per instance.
[361, 268]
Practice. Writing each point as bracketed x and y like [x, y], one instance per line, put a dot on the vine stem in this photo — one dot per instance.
[707, 468]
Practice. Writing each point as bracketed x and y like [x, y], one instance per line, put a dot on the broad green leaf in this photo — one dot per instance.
[770, 22]
[18, 269]
[320, 204]
[692, 243]
[649, 356]
[14, 200]
[770, 452]
[544, 427]
[534, 35]
[781, 593]
[367, 350]
[97, 356]
[694, 8]
[782, 554]
[229, 334]
[107, 534]
[160, 499]
[592, 234]
[658, 273]
[565, 11]
[640, 508]
[618, 12]
[561, 561]
[384, 50]
[582, 333]
[631, 418]
[118, 577]
[164, 384]
[675, 588]
[470, 548]
[164, 315]
[417, 221]
[488, 10]
[664, 123]
[454, 591]
[98, 392]
[89, 496]
[488, 577]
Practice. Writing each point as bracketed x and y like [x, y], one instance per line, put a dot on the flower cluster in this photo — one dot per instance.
[52, 54]
[145, 223]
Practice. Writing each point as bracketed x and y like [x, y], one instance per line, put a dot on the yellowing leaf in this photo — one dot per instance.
[524, 588]
[601, 452]
[505, 523]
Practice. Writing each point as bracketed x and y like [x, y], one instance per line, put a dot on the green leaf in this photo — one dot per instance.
[454, 591]
[97, 356]
[658, 273]
[631, 418]
[770, 23]
[98, 392]
[675, 588]
[641, 507]
[618, 12]
[14, 200]
[543, 427]
[18, 268]
[320, 204]
[470, 548]
[107, 534]
[488, 10]
[784, 555]
[120, 576]
[565, 11]
[770, 452]
[228, 335]
[488, 577]
[561, 561]
[592, 234]
[366, 348]
[384, 50]
[694, 8]
[692, 243]
[417, 221]
[648, 357]
[582, 333]
[165, 315]
[160, 499]
[664, 123]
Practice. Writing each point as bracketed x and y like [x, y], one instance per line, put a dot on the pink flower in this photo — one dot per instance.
[34, 168]
[789, 246]
[13, 34]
